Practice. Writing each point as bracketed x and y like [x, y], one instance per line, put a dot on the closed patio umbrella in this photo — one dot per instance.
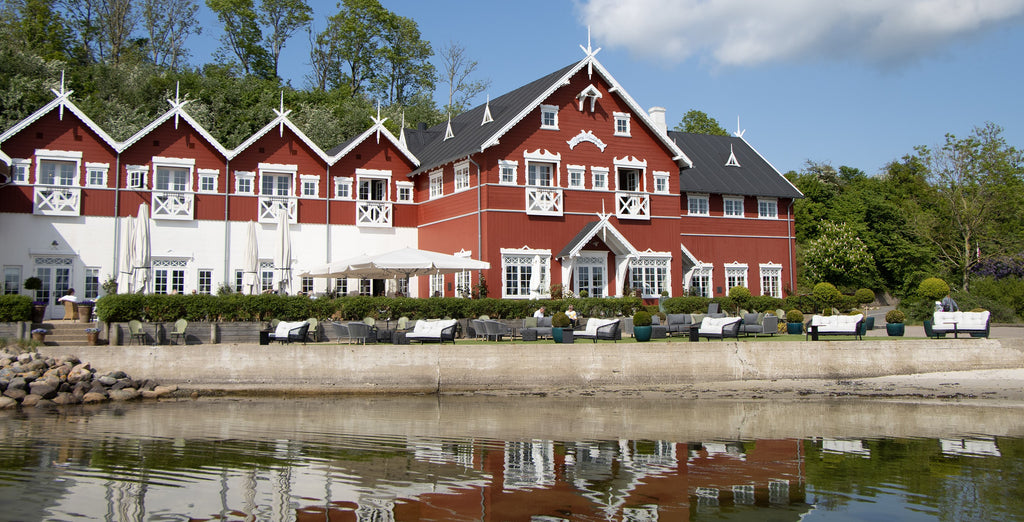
[124, 275]
[405, 262]
[283, 254]
[251, 260]
[141, 250]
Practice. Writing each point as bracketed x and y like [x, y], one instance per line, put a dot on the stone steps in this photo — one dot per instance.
[65, 332]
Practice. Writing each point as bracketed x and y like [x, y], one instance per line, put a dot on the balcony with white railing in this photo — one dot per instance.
[633, 205]
[373, 213]
[542, 201]
[57, 200]
[172, 205]
[271, 206]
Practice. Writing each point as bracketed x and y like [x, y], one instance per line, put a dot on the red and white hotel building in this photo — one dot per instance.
[566, 180]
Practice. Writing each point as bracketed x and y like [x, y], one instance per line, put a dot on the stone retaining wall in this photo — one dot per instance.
[537, 367]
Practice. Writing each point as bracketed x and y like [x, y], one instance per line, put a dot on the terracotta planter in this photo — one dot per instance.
[38, 313]
[85, 313]
[93, 338]
[41, 337]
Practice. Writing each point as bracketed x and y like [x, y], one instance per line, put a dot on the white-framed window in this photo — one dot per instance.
[92, 283]
[275, 183]
[58, 167]
[341, 286]
[650, 274]
[526, 273]
[700, 281]
[306, 285]
[461, 176]
[404, 191]
[549, 117]
[204, 281]
[661, 179]
[208, 180]
[576, 173]
[436, 285]
[771, 279]
[173, 174]
[767, 208]
[540, 174]
[169, 276]
[266, 276]
[732, 206]
[244, 182]
[239, 278]
[621, 123]
[373, 185]
[342, 187]
[12, 280]
[436, 184]
[137, 176]
[19, 171]
[735, 275]
[96, 174]
[365, 286]
[599, 178]
[508, 170]
[309, 184]
[697, 204]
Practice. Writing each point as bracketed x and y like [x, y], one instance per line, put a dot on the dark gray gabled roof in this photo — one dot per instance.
[710, 174]
[583, 234]
[469, 134]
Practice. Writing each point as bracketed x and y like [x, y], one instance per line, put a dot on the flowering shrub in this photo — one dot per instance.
[92, 330]
[40, 331]
[1000, 267]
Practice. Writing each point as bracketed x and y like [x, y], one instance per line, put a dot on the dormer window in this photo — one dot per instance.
[590, 93]
[549, 117]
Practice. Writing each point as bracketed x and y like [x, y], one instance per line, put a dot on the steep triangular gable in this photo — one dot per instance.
[377, 129]
[177, 112]
[280, 122]
[61, 103]
[593, 65]
[609, 234]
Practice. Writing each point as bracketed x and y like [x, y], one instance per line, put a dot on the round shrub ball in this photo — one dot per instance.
[895, 316]
[864, 295]
[642, 318]
[794, 316]
[826, 293]
[933, 289]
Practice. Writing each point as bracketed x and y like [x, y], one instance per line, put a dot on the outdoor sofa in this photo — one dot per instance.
[719, 327]
[678, 323]
[607, 329]
[975, 323]
[835, 325]
[753, 324]
[532, 332]
[287, 332]
[439, 330]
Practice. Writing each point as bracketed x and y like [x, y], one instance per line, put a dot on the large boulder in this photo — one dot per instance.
[124, 394]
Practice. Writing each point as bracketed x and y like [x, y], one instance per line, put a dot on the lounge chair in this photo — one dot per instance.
[287, 332]
[440, 330]
[719, 327]
[607, 329]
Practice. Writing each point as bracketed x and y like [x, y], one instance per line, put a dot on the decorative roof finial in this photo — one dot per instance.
[177, 103]
[487, 112]
[591, 53]
[378, 122]
[62, 95]
[281, 115]
[448, 133]
[739, 132]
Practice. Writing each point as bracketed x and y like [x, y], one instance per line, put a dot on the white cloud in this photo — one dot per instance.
[751, 32]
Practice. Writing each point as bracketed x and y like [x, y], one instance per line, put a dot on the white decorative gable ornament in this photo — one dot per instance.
[587, 136]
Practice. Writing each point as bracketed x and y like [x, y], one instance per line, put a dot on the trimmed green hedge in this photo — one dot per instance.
[237, 307]
[14, 308]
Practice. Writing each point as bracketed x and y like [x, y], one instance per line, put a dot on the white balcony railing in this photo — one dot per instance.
[55, 200]
[172, 205]
[544, 201]
[373, 214]
[632, 205]
[271, 206]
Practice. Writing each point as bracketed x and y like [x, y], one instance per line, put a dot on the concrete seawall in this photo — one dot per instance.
[532, 367]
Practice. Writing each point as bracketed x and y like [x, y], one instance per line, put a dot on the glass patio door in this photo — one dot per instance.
[55, 273]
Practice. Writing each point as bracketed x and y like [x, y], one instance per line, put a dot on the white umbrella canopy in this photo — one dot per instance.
[141, 250]
[251, 260]
[124, 276]
[405, 262]
[283, 254]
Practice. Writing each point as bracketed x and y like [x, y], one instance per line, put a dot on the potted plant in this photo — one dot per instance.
[93, 335]
[794, 322]
[85, 311]
[642, 326]
[894, 323]
[560, 330]
[863, 297]
[39, 334]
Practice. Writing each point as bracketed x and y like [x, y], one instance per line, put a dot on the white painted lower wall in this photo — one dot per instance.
[83, 244]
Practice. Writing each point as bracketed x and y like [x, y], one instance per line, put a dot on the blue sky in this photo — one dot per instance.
[846, 83]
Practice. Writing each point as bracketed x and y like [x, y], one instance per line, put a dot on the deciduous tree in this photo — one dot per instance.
[699, 122]
[457, 67]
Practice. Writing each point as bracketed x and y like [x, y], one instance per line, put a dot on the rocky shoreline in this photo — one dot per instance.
[30, 379]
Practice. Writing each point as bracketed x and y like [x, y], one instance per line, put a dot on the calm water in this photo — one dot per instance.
[527, 458]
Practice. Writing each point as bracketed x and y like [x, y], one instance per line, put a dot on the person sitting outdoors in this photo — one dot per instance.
[69, 297]
[949, 305]
[539, 313]
[572, 315]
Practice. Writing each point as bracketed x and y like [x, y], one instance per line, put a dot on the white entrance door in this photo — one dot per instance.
[591, 274]
[55, 273]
